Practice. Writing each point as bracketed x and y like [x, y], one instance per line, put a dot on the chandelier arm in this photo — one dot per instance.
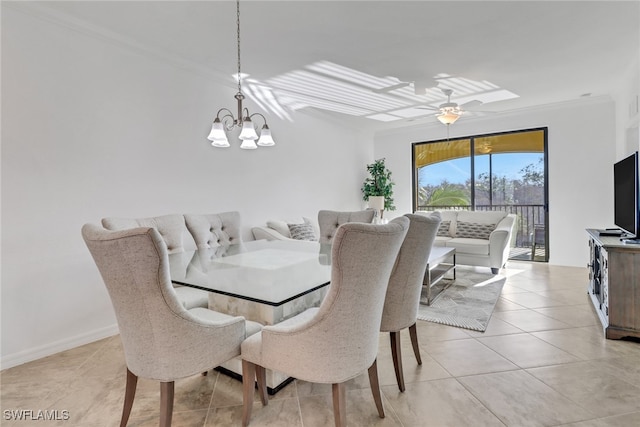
[227, 119]
[229, 113]
[264, 119]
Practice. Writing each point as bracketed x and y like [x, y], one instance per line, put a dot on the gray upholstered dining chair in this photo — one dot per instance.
[174, 232]
[329, 221]
[161, 339]
[337, 341]
[405, 285]
[213, 230]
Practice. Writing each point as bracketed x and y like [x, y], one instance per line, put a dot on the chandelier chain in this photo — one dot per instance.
[238, 39]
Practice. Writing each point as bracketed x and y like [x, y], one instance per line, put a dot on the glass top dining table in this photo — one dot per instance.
[271, 272]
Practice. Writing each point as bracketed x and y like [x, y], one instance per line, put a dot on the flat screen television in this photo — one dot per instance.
[626, 195]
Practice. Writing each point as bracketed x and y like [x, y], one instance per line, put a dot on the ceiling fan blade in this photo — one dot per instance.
[427, 108]
[481, 112]
[392, 87]
[471, 104]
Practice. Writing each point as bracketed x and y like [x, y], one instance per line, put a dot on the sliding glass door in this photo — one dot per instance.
[505, 171]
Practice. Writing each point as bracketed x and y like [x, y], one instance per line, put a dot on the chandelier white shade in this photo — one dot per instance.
[225, 121]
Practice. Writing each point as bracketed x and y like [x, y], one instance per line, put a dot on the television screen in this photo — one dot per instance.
[625, 196]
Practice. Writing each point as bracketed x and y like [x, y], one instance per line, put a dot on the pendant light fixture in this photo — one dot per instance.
[227, 121]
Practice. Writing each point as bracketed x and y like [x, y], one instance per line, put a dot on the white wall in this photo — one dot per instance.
[581, 137]
[94, 129]
[627, 97]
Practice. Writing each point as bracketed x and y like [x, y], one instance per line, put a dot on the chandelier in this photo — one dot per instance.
[227, 121]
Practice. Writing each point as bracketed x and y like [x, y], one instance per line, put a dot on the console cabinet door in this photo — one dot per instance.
[614, 285]
[624, 271]
[604, 284]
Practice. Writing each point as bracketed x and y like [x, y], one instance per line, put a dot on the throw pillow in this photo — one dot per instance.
[302, 232]
[280, 226]
[472, 230]
[314, 225]
[443, 229]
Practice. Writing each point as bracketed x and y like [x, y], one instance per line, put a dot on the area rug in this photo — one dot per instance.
[467, 303]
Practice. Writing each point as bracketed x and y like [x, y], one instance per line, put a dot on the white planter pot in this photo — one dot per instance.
[377, 203]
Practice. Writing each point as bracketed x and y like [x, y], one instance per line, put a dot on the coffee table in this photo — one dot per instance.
[266, 281]
[442, 260]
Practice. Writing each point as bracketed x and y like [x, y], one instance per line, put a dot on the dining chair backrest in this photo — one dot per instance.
[330, 221]
[340, 341]
[213, 230]
[176, 236]
[405, 284]
[161, 339]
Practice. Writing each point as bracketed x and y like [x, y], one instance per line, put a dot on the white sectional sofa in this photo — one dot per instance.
[308, 229]
[481, 238]
[279, 230]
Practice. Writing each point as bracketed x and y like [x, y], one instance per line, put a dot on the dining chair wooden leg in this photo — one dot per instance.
[129, 394]
[339, 404]
[261, 377]
[375, 387]
[413, 334]
[396, 353]
[166, 403]
[248, 387]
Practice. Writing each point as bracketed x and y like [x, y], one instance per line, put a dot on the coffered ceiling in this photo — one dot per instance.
[376, 61]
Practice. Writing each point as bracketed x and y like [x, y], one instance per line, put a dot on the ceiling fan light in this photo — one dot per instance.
[448, 117]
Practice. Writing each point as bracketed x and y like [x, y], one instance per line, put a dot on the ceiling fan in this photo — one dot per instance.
[449, 111]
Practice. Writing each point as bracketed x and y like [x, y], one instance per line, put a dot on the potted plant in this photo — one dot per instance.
[377, 189]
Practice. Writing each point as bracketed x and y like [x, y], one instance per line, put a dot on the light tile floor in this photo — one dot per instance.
[543, 361]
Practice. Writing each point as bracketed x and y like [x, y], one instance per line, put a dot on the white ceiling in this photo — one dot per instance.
[539, 52]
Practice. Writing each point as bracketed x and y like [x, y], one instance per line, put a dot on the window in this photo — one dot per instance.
[504, 171]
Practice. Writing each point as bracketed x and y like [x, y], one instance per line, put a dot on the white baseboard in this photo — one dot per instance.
[11, 360]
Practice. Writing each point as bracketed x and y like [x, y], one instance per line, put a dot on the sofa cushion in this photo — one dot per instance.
[480, 217]
[441, 240]
[469, 246]
[302, 231]
[450, 216]
[474, 230]
[443, 229]
[280, 226]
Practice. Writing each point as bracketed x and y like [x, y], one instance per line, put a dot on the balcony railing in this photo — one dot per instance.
[528, 217]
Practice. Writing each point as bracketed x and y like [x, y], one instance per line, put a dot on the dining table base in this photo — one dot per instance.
[267, 315]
